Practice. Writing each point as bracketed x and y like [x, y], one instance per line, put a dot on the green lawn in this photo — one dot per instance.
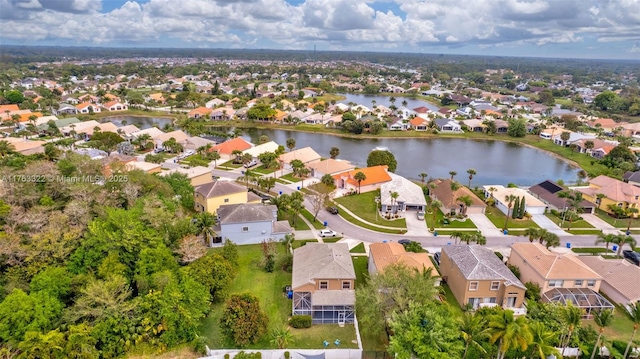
[498, 218]
[565, 224]
[360, 266]
[250, 277]
[358, 249]
[300, 243]
[229, 165]
[300, 225]
[350, 218]
[621, 327]
[452, 223]
[331, 239]
[617, 222]
[451, 300]
[262, 170]
[309, 216]
[313, 338]
[289, 177]
[591, 250]
[366, 208]
[195, 160]
[585, 231]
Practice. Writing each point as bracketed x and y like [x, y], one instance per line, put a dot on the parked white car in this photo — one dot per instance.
[327, 233]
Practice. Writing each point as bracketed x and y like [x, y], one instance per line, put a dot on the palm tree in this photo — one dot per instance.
[510, 332]
[328, 180]
[466, 202]
[574, 198]
[404, 103]
[474, 331]
[422, 177]
[454, 186]
[143, 140]
[509, 199]
[572, 317]
[237, 156]
[549, 239]
[205, 222]
[6, 148]
[606, 238]
[630, 211]
[291, 143]
[531, 232]
[435, 206]
[452, 174]
[394, 200]
[471, 173]
[603, 318]
[214, 156]
[359, 176]
[281, 337]
[621, 240]
[634, 313]
[457, 235]
[541, 339]
[334, 152]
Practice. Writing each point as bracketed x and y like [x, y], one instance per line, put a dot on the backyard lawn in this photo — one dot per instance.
[621, 327]
[467, 223]
[565, 224]
[269, 287]
[365, 207]
[498, 218]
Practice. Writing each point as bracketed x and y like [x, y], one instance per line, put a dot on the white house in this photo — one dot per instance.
[500, 193]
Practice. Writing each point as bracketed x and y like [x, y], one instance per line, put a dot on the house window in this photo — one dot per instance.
[591, 283]
[473, 286]
[556, 283]
[491, 300]
[495, 285]
[346, 284]
[226, 200]
[324, 285]
[578, 283]
[245, 229]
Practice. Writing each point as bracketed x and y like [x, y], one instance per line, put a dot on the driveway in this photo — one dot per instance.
[486, 227]
[415, 226]
[544, 222]
[595, 221]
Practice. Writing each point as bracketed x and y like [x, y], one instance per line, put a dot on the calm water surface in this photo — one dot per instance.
[142, 122]
[365, 100]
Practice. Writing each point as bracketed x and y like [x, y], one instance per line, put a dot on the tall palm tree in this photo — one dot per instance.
[359, 176]
[634, 313]
[510, 332]
[214, 156]
[571, 317]
[205, 222]
[621, 240]
[471, 173]
[606, 238]
[630, 211]
[509, 199]
[542, 337]
[452, 174]
[291, 143]
[549, 239]
[603, 319]
[454, 186]
[6, 148]
[456, 235]
[394, 200]
[328, 180]
[435, 206]
[574, 198]
[422, 177]
[532, 233]
[466, 202]
[474, 330]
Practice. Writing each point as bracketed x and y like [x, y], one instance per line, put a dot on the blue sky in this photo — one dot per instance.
[544, 28]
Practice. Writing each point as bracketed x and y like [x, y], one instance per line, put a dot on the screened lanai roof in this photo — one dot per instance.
[583, 298]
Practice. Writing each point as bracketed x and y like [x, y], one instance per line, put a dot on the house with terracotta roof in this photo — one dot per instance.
[605, 191]
[199, 113]
[562, 277]
[115, 105]
[478, 278]
[210, 196]
[329, 167]
[599, 148]
[419, 124]
[26, 146]
[87, 107]
[306, 154]
[226, 148]
[9, 108]
[157, 97]
[606, 124]
[449, 198]
[323, 283]
[382, 255]
[375, 177]
[619, 278]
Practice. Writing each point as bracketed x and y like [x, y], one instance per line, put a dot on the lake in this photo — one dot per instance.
[365, 100]
[496, 162]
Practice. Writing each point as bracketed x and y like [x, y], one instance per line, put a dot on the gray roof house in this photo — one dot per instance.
[251, 223]
[323, 283]
[410, 195]
[447, 125]
[478, 278]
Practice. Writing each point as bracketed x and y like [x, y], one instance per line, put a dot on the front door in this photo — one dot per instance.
[341, 317]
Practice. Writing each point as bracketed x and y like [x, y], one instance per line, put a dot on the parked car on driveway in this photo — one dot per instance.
[421, 215]
[327, 233]
[632, 256]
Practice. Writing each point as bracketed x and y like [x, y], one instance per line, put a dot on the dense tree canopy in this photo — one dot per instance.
[382, 157]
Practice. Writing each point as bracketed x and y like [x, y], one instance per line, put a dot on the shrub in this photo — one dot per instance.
[300, 321]
[515, 270]
[199, 345]
[533, 291]
[287, 263]
[243, 321]
[286, 355]
[499, 255]
[245, 355]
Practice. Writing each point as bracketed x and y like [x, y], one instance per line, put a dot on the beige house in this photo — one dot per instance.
[197, 175]
[562, 278]
[449, 198]
[323, 283]
[146, 167]
[210, 196]
[382, 255]
[307, 155]
[619, 278]
[478, 278]
[329, 167]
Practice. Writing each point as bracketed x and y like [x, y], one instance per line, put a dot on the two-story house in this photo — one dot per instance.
[562, 278]
[478, 278]
[210, 196]
[323, 283]
[605, 191]
[251, 223]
